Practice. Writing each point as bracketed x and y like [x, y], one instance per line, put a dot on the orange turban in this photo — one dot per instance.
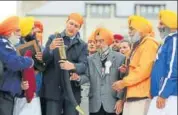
[169, 18]
[9, 25]
[105, 34]
[77, 17]
[141, 24]
[91, 37]
[39, 25]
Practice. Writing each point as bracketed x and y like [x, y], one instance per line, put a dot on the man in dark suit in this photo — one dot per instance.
[56, 101]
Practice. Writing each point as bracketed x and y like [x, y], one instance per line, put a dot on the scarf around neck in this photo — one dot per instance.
[104, 54]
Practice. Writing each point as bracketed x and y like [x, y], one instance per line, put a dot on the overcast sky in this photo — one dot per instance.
[7, 8]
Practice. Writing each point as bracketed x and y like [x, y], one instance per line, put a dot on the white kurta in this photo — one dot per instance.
[21, 107]
[170, 107]
[136, 107]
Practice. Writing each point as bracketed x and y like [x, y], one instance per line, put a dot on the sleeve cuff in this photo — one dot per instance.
[32, 63]
[124, 82]
[79, 79]
[75, 65]
[164, 96]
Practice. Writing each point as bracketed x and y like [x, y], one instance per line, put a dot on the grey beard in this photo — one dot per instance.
[164, 32]
[101, 50]
[14, 40]
[135, 38]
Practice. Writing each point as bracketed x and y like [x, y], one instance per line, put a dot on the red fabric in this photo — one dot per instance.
[39, 25]
[29, 75]
[118, 37]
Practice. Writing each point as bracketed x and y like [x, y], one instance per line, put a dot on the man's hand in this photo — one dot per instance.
[24, 85]
[118, 85]
[39, 56]
[160, 103]
[56, 43]
[123, 68]
[118, 107]
[74, 77]
[66, 65]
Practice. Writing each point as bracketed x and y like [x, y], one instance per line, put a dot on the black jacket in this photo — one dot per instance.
[76, 53]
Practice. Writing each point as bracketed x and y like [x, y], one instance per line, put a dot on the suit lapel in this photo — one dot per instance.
[97, 63]
[111, 57]
[73, 42]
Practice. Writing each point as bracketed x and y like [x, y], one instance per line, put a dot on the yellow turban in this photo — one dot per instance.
[169, 18]
[105, 34]
[141, 24]
[26, 25]
[77, 17]
[151, 31]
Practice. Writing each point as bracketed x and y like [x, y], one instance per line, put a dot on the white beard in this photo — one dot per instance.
[135, 38]
[14, 40]
[164, 32]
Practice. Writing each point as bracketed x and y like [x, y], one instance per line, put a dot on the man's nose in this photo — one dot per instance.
[97, 44]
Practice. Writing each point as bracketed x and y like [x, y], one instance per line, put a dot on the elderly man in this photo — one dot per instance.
[27, 35]
[164, 73]
[76, 50]
[142, 57]
[10, 83]
[102, 72]
[91, 44]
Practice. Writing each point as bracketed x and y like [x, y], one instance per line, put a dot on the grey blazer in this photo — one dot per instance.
[101, 92]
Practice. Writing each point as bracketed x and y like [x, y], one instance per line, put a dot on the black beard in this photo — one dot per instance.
[115, 48]
[29, 38]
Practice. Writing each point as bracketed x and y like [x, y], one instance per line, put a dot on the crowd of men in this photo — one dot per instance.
[137, 77]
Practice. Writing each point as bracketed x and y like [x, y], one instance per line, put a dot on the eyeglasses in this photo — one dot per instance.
[100, 41]
[92, 41]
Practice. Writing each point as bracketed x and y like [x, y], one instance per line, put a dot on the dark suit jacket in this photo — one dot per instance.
[52, 83]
